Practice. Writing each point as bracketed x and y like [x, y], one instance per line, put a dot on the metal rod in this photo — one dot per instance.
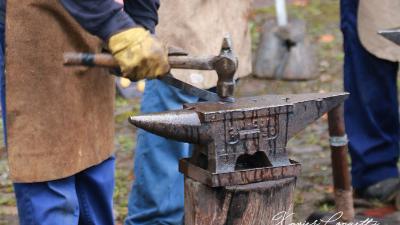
[340, 165]
[281, 14]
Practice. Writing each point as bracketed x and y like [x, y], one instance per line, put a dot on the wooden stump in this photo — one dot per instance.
[262, 203]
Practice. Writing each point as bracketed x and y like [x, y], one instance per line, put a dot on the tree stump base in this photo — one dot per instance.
[263, 203]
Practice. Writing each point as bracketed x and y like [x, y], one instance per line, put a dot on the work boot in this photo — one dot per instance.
[385, 191]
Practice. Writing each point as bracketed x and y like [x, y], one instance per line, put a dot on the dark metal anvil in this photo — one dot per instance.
[248, 134]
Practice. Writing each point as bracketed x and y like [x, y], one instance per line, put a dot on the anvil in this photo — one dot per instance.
[248, 134]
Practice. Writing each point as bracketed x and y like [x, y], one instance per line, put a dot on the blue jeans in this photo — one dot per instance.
[157, 193]
[84, 198]
[371, 112]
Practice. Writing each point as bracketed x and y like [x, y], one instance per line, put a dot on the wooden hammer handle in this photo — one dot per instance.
[88, 59]
[107, 60]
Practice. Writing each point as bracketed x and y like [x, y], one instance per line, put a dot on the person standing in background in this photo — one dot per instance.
[2, 76]
[198, 26]
[372, 110]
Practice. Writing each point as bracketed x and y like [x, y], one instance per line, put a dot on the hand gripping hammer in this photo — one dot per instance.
[225, 64]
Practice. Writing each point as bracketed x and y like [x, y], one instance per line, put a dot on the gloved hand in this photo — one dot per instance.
[139, 54]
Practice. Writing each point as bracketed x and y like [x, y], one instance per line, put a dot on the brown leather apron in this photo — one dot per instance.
[59, 120]
[375, 15]
[199, 26]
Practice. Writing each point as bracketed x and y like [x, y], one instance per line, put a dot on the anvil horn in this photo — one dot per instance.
[180, 125]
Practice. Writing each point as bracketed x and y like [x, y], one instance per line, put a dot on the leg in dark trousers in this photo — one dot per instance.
[371, 112]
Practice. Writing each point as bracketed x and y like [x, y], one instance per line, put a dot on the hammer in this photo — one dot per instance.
[225, 64]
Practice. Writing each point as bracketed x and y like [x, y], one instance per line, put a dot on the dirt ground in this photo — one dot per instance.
[310, 147]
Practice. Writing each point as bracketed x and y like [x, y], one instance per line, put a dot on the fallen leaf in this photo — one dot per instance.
[379, 212]
[326, 38]
[329, 189]
[300, 2]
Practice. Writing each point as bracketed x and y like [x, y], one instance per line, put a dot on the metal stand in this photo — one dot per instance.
[340, 166]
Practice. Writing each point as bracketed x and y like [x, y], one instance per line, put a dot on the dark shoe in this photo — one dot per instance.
[384, 191]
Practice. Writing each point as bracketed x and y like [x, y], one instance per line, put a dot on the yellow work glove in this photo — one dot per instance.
[139, 54]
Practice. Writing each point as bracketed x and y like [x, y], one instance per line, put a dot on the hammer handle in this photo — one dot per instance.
[88, 59]
[107, 60]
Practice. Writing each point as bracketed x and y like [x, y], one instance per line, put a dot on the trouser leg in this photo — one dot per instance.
[47, 203]
[94, 187]
[371, 112]
[2, 76]
[157, 193]
[82, 199]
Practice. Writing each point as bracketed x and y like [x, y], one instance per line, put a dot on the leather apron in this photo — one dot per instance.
[375, 15]
[199, 26]
[59, 119]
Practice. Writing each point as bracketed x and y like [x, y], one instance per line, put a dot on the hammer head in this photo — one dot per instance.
[226, 66]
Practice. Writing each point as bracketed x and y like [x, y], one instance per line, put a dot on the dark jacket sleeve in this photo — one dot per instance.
[144, 12]
[2, 12]
[100, 17]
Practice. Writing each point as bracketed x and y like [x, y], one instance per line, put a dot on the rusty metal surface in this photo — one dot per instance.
[250, 133]
[226, 66]
[239, 177]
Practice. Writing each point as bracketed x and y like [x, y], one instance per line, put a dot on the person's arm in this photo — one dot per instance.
[102, 18]
[138, 53]
[144, 12]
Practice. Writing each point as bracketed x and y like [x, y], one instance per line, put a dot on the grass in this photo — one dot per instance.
[326, 207]
[121, 102]
[121, 192]
[126, 143]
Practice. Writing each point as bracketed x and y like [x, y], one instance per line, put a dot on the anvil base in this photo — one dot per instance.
[262, 203]
[238, 177]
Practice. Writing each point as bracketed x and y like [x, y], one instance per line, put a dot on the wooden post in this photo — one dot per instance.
[262, 203]
[340, 165]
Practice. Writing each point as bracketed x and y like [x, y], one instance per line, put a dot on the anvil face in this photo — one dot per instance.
[250, 133]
